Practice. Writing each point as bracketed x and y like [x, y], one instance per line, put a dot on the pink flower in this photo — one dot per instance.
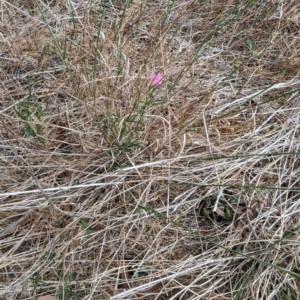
[156, 79]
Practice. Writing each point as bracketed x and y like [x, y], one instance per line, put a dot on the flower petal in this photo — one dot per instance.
[156, 79]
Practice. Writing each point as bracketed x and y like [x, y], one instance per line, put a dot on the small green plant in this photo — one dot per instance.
[84, 223]
[37, 281]
[143, 270]
[123, 134]
[67, 291]
[30, 112]
[48, 255]
[251, 45]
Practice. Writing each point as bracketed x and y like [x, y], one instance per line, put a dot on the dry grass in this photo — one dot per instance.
[114, 189]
